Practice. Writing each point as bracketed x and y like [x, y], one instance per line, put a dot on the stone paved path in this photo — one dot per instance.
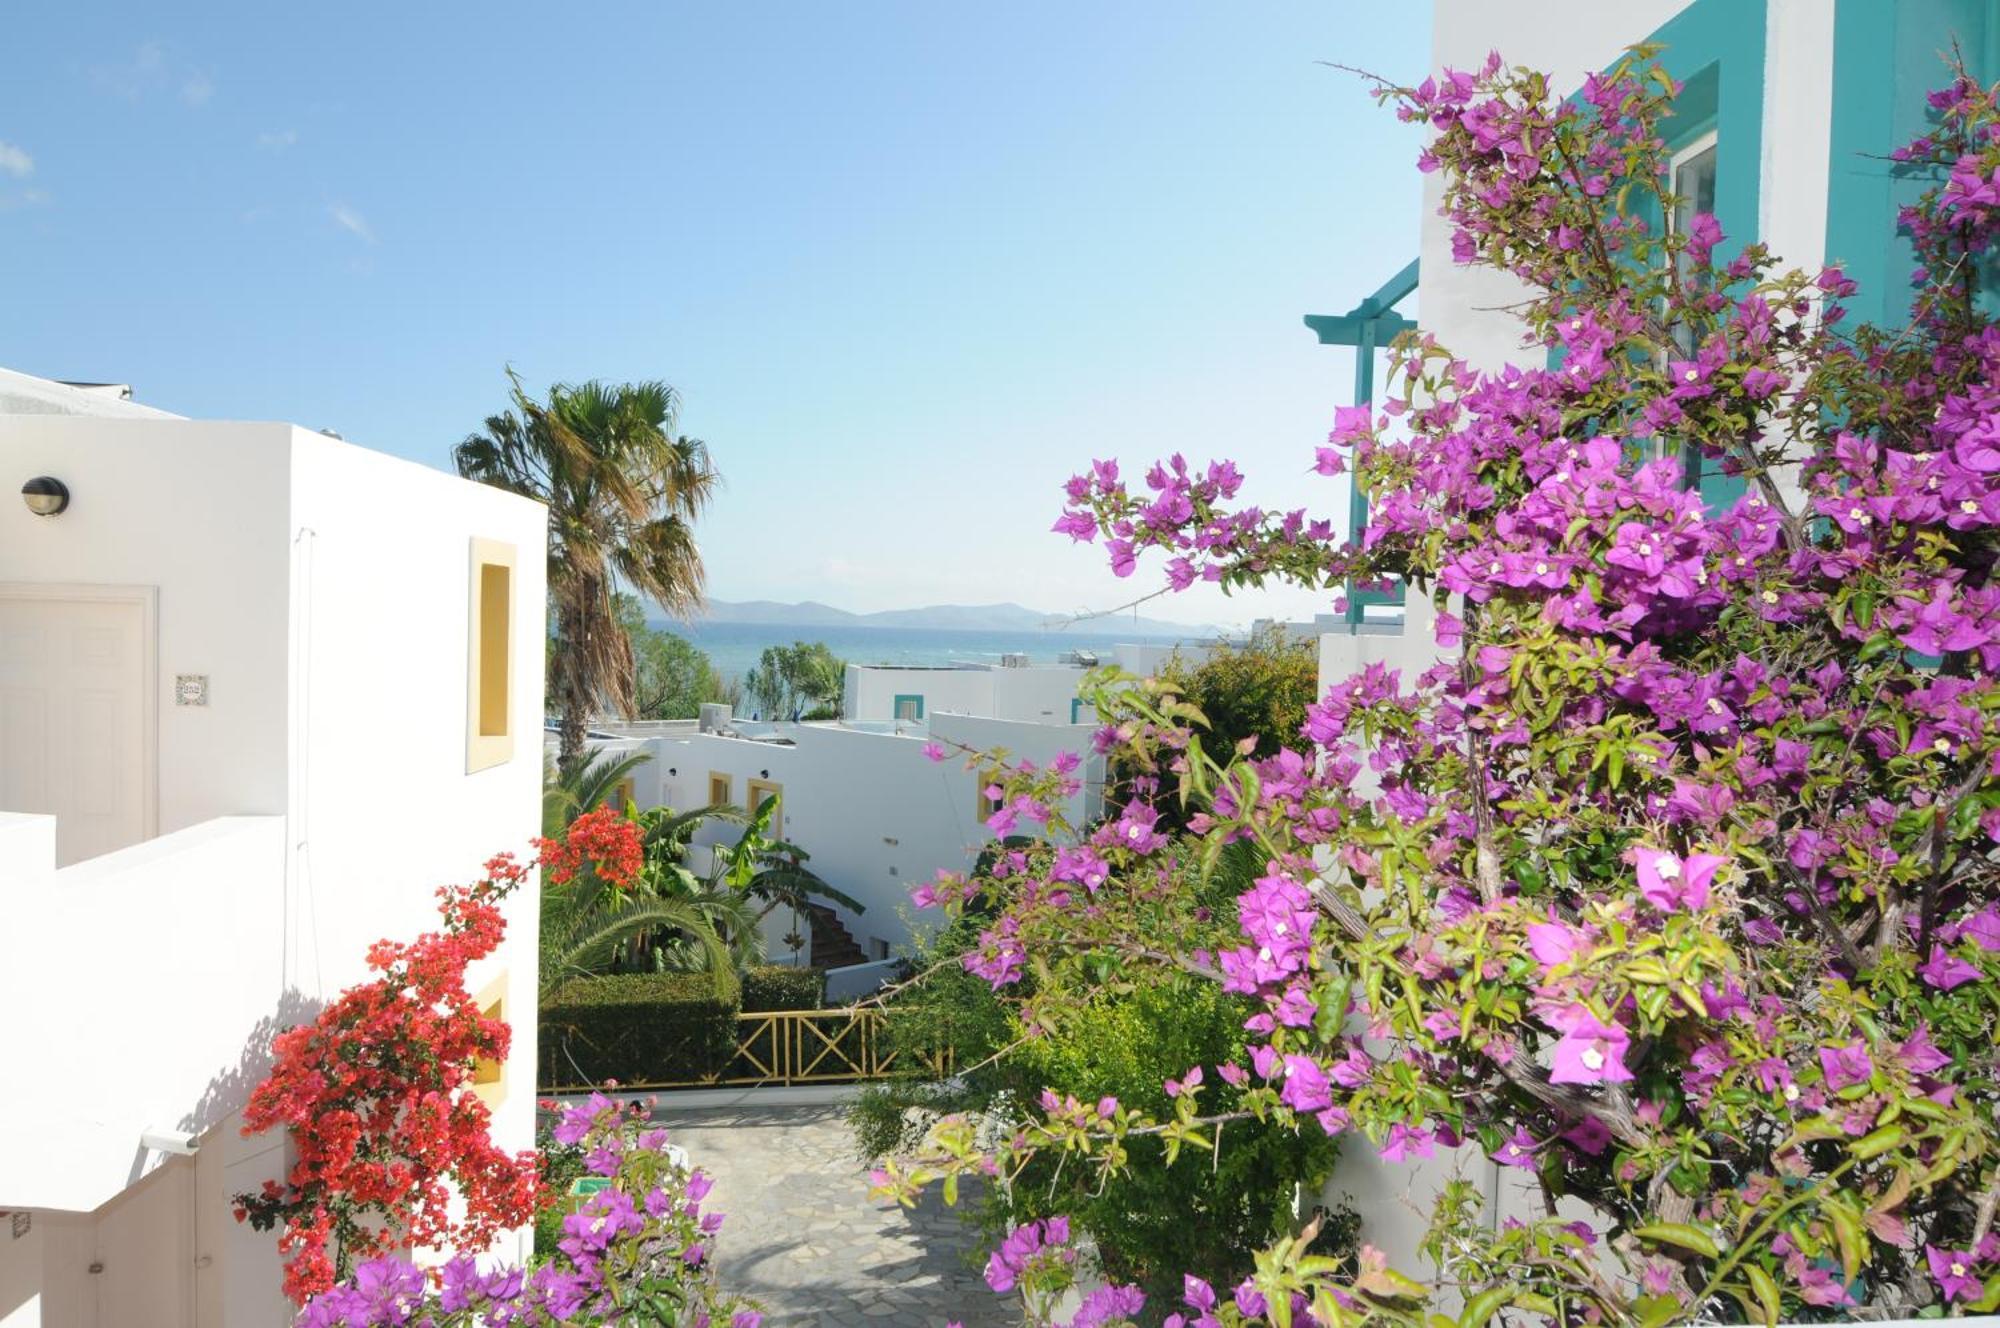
[803, 1236]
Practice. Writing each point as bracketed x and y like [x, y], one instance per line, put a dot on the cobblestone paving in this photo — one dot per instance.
[804, 1238]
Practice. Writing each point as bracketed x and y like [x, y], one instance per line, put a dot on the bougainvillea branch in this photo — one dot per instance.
[393, 1145]
[1671, 885]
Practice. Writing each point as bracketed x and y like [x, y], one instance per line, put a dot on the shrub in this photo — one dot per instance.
[783, 987]
[1255, 692]
[636, 1251]
[639, 1028]
[1153, 1222]
[1098, 1033]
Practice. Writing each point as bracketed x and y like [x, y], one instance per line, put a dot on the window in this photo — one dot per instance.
[489, 1076]
[626, 793]
[761, 792]
[1076, 710]
[489, 734]
[486, 1071]
[909, 707]
[984, 806]
[719, 790]
[1693, 170]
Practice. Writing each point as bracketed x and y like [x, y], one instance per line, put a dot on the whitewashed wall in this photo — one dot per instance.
[198, 509]
[27, 850]
[876, 814]
[385, 811]
[1035, 695]
[310, 808]
[871, 690]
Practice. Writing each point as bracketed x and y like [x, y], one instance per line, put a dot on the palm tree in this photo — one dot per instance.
[623, 490]
[587, 925]
[568, 791]
[755, 870]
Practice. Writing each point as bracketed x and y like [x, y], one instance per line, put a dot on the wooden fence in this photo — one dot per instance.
[783, 1047]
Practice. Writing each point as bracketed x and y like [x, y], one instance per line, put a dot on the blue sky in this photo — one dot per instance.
[910, 265]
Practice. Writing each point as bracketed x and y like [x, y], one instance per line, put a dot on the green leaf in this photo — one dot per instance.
[1658, 1311]
[1483, 1307]
[1767, 1293]
[1877, 1142]
[1848, 1234]
[1681, 1234]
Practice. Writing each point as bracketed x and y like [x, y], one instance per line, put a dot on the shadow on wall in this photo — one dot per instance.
[231, 1087]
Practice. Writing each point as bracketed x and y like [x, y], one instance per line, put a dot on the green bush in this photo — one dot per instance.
[1207, 1214]
[637, 1028]
[783, 987]
[1256, 691]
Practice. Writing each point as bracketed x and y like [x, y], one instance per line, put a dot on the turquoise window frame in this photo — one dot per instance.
[1075, 709]
[1715, 50]
[896, 709]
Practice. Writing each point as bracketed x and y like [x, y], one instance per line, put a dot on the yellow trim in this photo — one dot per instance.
[489, 1077]
[489, 672]
[768, 790]
[626, 792]
[727, 784]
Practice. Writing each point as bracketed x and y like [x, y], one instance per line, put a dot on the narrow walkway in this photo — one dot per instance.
[803, 1236]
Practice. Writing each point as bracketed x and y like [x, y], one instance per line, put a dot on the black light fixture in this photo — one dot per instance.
[673, 770]
[763, 774]
[45, 495]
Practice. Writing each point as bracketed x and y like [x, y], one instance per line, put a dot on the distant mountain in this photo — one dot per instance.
[941, 617]
[809, 613]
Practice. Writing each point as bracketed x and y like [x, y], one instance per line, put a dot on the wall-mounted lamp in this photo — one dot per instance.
[673, 770]
[45, 495]
[763, 774]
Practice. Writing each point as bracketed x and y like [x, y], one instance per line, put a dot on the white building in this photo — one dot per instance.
[261, 692]
[863, 798]
[1012, 689]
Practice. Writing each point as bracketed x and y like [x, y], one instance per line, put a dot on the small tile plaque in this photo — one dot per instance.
[191, 689]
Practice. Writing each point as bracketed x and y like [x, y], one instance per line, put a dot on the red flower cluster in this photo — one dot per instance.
[603, 841]
[376, 1094]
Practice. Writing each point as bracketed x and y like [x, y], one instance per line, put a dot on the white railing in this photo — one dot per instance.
[847, 985]
[133, 985]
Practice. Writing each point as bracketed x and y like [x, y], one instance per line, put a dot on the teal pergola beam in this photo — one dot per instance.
[1367, 327]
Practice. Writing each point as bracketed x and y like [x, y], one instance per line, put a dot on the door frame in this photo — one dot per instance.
[148, 600]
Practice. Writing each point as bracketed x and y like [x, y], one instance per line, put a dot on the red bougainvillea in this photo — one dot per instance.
[377, 1096]
[603, 840]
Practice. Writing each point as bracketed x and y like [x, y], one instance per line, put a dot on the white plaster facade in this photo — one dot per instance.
[241, 852]
[877, 815]
[1034, 694]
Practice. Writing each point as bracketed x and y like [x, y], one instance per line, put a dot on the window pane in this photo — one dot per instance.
[1694, 183]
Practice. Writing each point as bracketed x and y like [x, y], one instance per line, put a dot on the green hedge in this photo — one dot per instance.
[635, 1028]
[783, 987]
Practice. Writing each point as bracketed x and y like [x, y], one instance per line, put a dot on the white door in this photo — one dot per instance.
[75, 683]
[144, 1264]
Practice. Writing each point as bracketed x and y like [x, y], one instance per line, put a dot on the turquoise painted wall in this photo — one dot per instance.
[1886, 55]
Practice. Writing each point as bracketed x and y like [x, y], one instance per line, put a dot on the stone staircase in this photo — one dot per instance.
[833, 946]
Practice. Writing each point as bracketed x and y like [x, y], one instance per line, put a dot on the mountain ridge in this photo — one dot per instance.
[1002, 617]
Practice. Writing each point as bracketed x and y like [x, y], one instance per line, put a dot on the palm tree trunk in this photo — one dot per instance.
[569, 734]
[571, 686]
